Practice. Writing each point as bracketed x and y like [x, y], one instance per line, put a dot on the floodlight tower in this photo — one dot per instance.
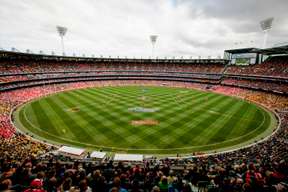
[62, 31]
[266, 25]
[153, 39]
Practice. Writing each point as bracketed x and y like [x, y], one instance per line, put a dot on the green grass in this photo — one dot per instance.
[189, 120]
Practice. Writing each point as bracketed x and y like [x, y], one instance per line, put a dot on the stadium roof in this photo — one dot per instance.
[242, 50]
[272, 50]
[20, 55]
[267, 51]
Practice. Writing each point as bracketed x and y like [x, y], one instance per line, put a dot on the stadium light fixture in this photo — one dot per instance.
[153, 39]
[266, 25]
[251, 43]
[14, 49]
[62, 31]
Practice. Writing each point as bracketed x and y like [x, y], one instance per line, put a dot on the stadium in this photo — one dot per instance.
[81, 123]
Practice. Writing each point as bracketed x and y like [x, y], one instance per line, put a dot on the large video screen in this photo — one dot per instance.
[244, 59]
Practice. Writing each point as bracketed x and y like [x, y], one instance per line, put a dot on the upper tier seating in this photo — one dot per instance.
[274, 66]
[73, 66]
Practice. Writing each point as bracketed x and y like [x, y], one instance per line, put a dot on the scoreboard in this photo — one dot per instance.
[243, 59]
[243, 56]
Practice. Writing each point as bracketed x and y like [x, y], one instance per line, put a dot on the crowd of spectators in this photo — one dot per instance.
[15, 74]
[45, 72]
[14, 67]
[281, 87]
[275, 66]
[270, 100]
[69, 75]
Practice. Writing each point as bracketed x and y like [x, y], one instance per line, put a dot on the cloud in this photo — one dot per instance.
[122, 28]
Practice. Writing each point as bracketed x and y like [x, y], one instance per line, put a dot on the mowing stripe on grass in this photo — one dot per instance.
[243, 123]
[92, 121]
[223, 129]
[39, 109]
[56, 118]
[79, 133]
[196, 113]
[204, 120]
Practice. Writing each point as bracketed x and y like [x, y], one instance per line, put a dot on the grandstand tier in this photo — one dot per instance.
[24, 70]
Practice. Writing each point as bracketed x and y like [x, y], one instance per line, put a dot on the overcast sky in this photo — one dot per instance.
[122, 27]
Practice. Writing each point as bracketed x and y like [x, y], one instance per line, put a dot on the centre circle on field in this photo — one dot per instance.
[147, 120]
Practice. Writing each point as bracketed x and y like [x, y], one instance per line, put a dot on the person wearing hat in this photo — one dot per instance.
[36, 186]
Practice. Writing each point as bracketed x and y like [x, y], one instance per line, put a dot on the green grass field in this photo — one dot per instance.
[148, 120]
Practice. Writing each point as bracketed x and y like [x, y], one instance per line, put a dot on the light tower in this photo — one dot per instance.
[62, 31]
[266, 25]
[153, 39]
